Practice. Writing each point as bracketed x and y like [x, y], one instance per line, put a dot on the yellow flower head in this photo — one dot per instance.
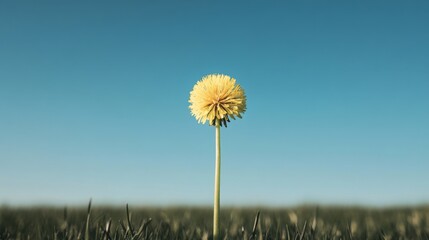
[217, 97]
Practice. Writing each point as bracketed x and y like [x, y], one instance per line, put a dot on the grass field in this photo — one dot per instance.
[306, 222]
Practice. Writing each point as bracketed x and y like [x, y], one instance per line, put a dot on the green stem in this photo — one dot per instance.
[217, 185]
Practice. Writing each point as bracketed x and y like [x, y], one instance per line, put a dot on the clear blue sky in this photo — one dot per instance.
[94, 102]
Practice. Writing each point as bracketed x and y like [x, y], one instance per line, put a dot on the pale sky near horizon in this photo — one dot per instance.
[94, 102]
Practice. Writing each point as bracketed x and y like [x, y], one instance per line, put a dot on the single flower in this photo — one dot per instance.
[217, 97]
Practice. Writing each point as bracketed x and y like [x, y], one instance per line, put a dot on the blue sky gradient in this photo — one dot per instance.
[94, 102]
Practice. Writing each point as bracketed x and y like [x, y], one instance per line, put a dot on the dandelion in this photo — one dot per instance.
[216, 99]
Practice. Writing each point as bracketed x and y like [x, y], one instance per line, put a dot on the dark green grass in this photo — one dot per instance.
[308, 222]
